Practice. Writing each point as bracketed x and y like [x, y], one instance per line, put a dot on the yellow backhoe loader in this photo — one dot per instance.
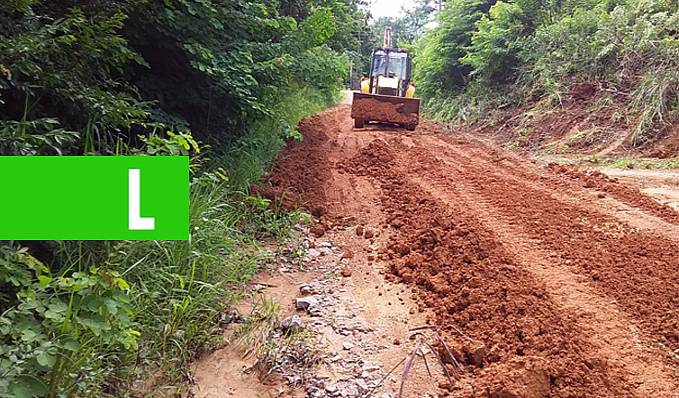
[387, 95]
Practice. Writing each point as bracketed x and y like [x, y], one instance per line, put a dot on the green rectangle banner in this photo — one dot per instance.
[94, 198]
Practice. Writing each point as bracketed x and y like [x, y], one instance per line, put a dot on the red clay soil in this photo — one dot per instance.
[587, 119]
[591, 118]
[664, 145]
[628, 195]
[371, 109]
[561, 297]
[301, 184]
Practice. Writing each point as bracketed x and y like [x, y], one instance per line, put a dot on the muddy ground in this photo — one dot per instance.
[546, 281]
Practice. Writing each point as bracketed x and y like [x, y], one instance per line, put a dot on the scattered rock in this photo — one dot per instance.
[347, 345]
[293, 324]
[368, 234]
[348, 254]
[359, 230]
[370, 368]
[335, 358]
[362, 386]
[258, 288]
[305, 303]
[397, 341]
[346, 272]
[313, 253]
[307, 290]
[226, 318]
[294, 380]
[331, 389]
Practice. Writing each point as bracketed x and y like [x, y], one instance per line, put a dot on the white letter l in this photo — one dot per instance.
[136, 221]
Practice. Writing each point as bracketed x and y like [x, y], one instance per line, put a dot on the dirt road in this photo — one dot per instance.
[569, 281]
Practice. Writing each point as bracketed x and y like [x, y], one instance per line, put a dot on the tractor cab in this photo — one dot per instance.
[390, 72]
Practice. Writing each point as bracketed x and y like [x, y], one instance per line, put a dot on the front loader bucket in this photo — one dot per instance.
[385, 108]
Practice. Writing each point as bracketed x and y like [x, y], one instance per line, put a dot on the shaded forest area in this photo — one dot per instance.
[477, 56]
[223, 81]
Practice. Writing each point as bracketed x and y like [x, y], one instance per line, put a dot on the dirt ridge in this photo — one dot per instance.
[564, 297]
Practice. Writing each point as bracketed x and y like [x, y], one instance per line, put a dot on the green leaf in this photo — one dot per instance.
[28, 387]
[71, 345]
[44, 280]
[122, 284]
[46, 359]
[95, 324]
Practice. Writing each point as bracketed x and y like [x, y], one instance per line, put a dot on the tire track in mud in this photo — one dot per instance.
[468, 279]
[564, 190]
[573, 185]
[616, 337]
[639, 269]
[565, 297]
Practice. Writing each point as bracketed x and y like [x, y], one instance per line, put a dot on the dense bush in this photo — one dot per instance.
[483, 54]
[225, 81]
[438, 70]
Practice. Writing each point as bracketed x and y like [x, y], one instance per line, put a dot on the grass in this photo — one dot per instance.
[639, 163]
[657, 93]
[177, 289]
[181, 287]
[258, 326]
[256, 151]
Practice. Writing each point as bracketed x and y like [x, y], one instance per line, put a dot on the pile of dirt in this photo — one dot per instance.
[371, 109]
[628, 195]
[638, 269]
[298, 180]
[461, 273]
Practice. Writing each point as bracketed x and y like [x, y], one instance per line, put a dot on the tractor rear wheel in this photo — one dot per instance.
[359, 123]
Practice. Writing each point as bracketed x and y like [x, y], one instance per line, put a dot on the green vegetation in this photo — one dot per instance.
[639, 163]
[485, 54]
[224, 81]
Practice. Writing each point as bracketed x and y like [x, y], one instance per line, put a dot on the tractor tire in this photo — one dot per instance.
[359, 123]
[411, 127]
